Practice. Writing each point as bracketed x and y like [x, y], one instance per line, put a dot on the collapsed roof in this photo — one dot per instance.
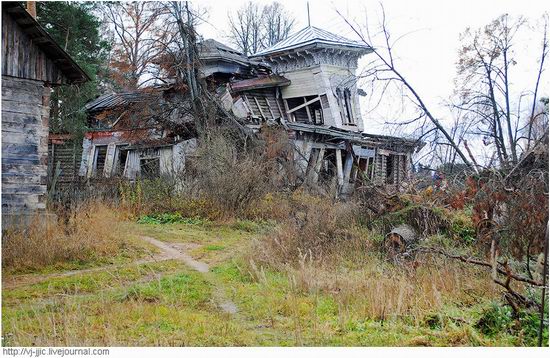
[216, 57]
[120, 99]
[337, 134]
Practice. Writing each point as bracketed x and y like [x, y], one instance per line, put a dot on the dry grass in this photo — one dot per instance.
[88, 234]
[314, 227]
[380, 291]
[323, 249]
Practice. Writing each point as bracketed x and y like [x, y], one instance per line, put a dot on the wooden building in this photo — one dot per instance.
[321, 68]
[306, 84]
[323, 112]
[32, 63]
[143, 133]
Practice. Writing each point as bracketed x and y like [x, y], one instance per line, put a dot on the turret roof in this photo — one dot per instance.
[309, 36]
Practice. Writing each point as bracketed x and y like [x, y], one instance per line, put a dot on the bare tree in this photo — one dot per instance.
[137, 32]
[185, 59]
[484, 87]
[383, 71]
[534, 114]
[253, 28]
[246, 28]
[277, 24]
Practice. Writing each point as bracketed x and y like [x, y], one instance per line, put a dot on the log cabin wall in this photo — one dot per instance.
[32, 62]
[25, 115]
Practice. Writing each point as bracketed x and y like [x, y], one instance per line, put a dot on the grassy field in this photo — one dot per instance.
[166, 303]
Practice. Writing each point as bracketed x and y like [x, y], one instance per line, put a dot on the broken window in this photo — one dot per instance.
[100, 156]
[345, 104]
[305, 109]
[348, 106]
[121, 156]
[149, 167]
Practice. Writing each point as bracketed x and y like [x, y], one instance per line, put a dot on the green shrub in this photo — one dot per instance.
[170, 218]
[495, 319]
[463, 227]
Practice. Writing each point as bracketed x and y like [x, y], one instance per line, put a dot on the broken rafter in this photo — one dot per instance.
[259, 107]
[269, 107]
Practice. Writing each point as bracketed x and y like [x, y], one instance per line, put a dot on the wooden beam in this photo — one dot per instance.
[279, 108]
[347, 167]
[309, 118]
[290, 118]
[307, 103]
[269, 107]
[320, 157]
[311, 163]
[248, 104]
[339, 167]
[328, 145]
[259, 107]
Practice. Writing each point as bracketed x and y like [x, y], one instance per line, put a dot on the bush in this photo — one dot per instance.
[494, 320]
[170, 218]
[230, 178]
[221, 180]
[425, 220]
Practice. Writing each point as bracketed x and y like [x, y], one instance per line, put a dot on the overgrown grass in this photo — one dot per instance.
[302, 270]
[88, 237]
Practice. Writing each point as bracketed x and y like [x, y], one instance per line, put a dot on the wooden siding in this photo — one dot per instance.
[22, 58]
[25, 114]
[68, 154]
[302, 83]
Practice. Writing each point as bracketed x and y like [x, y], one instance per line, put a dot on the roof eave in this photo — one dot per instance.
[70, 69]
[362, 49]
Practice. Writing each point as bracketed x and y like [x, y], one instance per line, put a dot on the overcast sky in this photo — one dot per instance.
[427, 55]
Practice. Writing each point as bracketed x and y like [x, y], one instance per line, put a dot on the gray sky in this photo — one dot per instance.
[427, 55]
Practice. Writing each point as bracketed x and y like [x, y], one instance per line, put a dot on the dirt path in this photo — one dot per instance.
[174, 252]
[169, 251]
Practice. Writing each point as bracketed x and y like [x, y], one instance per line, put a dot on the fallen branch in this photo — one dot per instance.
[471, 260]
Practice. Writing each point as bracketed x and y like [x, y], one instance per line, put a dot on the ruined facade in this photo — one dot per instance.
[137, 134]
[321, 68]
[323, 113]
[306, 84]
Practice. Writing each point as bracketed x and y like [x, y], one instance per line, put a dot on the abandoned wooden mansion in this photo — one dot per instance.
[306, 83]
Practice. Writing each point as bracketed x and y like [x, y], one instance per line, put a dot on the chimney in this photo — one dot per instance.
[31, 8]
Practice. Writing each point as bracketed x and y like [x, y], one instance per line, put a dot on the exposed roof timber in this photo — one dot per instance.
[70, 69]
[259, 83]
[114, 100]
[357, 137]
